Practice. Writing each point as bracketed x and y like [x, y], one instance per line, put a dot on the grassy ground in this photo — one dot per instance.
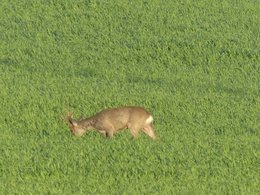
[193, 64]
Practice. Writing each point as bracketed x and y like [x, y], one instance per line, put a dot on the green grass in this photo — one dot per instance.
[194, 64]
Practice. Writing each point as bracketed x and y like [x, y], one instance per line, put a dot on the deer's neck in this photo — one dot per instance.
[87, 123]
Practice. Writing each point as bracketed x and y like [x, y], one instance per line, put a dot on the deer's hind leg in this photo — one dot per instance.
[134, 130]
[148, 130]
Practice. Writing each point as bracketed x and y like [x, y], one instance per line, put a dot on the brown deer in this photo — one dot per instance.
[111, 120]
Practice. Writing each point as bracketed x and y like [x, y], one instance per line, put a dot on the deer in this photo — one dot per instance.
[111, 120]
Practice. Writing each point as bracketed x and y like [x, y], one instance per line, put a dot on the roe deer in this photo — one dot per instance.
[108, 121]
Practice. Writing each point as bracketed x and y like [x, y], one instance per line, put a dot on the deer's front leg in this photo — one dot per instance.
[102, 132]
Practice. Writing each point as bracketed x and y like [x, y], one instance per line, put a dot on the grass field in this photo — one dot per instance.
[195, 65]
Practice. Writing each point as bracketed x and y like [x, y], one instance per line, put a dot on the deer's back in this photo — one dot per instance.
[121, 117]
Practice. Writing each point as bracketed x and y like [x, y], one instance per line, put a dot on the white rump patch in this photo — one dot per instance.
[149, 120]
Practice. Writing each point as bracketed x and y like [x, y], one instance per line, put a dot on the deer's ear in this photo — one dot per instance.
[73, 122]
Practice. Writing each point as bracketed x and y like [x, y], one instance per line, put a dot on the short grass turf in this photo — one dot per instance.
[193, 64]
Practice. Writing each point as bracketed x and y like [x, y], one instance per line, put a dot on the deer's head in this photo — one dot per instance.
[75, 127]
